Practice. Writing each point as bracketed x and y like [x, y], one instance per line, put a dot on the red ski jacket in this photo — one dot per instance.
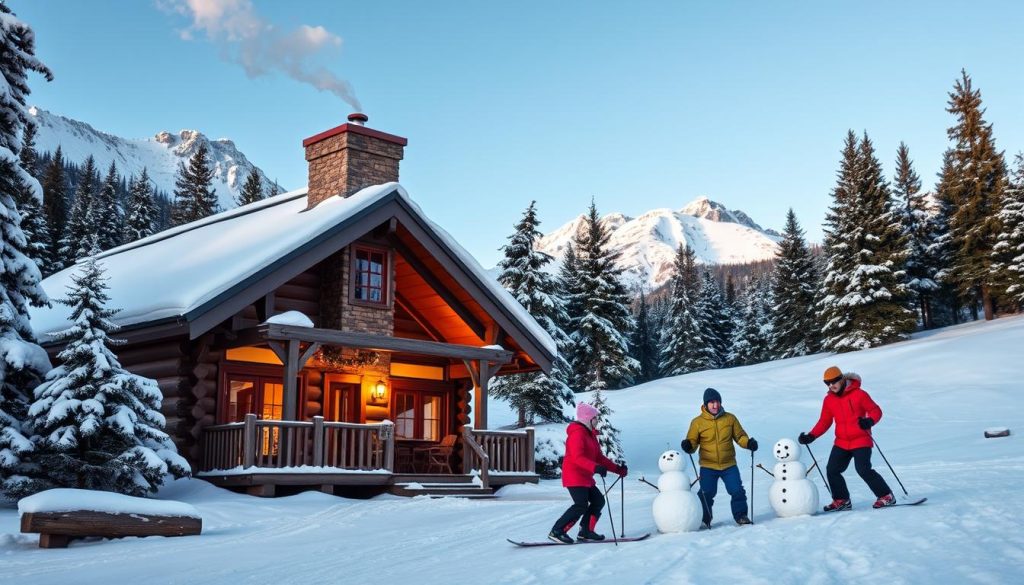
[845, 409]
[582, 454]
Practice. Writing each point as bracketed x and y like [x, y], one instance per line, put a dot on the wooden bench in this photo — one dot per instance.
[57, 528]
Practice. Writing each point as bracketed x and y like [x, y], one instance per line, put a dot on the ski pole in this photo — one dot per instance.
[622, 509]
[610, 519]
[819, 469]
[613, 486]
[751, 487]
[890, 466]
[700, 491]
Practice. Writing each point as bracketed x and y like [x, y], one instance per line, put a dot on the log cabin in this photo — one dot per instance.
[331, 337]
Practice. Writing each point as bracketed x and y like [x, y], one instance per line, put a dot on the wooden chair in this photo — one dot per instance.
[439, 456]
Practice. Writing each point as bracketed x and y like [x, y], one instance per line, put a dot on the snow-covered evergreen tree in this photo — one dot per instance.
[643, 345]
[607, 434]
[919, 231]
[140, 211]
[27, 198]
[753, 336]
[601, 333]
[715, 322]
[570, 290]
[107, 213]
[22, 361]
[194, 197]
[55, 209]
[535, 394]
[794, 286]
[252, 189]
[1008, 264]
[96, 425]
[946, 309]
[975, 193]
[75, 242]
[682, 342]
[865, 302]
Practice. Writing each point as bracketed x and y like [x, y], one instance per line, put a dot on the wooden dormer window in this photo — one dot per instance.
[369, 275]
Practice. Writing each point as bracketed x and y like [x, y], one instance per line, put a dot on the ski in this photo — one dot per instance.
[899, 503]
[605, 541]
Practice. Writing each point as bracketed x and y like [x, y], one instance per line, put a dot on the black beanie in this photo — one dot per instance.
[711, 394]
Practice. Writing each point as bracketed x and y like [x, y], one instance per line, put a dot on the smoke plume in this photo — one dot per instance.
[246, 38]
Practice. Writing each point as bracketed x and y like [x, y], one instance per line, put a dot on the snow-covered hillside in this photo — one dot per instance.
[160, 155]
[938, 392]
[648, 243]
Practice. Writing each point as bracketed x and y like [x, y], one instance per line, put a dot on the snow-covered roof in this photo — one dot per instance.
[177, 273]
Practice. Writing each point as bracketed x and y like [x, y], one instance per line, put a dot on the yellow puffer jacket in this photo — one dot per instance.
[715, 436]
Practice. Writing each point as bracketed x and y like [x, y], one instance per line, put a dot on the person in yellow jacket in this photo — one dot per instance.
[714, 431]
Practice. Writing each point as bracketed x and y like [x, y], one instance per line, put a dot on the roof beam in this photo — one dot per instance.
[278, 332]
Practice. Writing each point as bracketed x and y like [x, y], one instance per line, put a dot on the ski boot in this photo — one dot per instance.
[839, 506]
[886, 500]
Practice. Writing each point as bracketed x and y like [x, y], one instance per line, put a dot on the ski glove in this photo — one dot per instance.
[601, 470]
[623, 470]
[865, 422]
[687, 446]
[806, 438]
[752, 445]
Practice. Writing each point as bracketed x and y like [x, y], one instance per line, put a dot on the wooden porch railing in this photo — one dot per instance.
[279, 443]
[506, 451]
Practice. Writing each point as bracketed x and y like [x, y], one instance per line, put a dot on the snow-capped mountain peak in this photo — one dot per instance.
[159, 155]
[647, 244]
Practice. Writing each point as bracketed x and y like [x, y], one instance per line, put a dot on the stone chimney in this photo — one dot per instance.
[350, 157]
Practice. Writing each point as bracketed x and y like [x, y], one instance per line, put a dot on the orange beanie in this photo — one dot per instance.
[832, 374]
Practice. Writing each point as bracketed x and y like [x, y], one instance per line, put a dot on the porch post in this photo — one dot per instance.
[291, 370]
[481, 380]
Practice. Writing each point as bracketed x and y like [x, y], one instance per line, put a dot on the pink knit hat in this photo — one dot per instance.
[585, 413]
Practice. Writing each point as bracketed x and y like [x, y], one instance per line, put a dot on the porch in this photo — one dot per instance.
[260, 456]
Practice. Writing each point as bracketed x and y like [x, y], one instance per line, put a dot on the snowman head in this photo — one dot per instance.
[670, 461]
[787, 450]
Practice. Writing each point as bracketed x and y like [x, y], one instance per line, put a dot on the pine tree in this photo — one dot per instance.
[682, 341]
[865, 305]
[975, 194]
[107, 214]
[946, 309]
[643, 346]
[522, 274]
[607, 434]
[601, 335]
[794, 286]
[715, 321]
[570, 289]
[1008, 261]
[918, 228]
[753, 336]
[55, 209]
[22, 361]
[75, 242]
[252, 189]
[27, 199]
[140, 212]
[98, 426]
[194, 197]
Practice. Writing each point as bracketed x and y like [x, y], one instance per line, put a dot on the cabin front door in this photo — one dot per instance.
[342, 402]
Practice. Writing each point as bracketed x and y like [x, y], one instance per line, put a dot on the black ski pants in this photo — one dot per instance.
[839, 460]
[586, 503]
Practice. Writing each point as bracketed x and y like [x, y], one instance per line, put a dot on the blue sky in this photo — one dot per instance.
[637, 105]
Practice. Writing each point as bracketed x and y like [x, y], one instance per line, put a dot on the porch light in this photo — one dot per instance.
[379, 389]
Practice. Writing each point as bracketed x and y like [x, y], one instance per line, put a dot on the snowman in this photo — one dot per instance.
[791, 494]
[676, 508]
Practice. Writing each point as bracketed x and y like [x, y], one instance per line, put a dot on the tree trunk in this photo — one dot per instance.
[987, 302]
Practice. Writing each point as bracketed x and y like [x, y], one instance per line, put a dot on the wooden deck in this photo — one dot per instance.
[260, 456]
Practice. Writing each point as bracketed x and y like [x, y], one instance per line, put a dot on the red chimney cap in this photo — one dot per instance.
[355, 125]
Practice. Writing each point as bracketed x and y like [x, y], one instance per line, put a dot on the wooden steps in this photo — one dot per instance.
[439, 486]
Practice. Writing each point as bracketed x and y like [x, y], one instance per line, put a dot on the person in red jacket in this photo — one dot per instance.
[854, 414]
[583, 458]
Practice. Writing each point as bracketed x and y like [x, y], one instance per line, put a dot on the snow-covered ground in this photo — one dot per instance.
[939, 392]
